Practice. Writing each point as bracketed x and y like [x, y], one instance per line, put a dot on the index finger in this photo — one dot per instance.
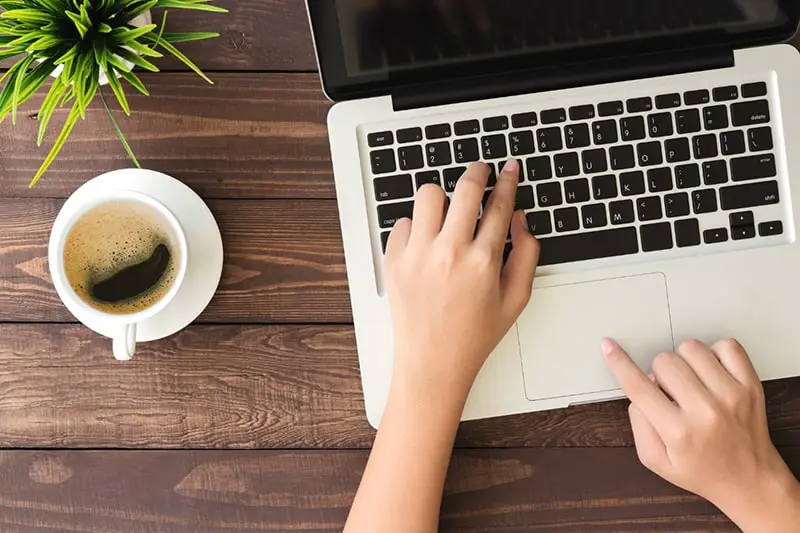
[497, 214]
[641, 391]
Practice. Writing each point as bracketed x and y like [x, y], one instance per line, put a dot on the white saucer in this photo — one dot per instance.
[203, 238]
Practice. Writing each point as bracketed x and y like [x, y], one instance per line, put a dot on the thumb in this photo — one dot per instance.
[650, 447]
[517, 276]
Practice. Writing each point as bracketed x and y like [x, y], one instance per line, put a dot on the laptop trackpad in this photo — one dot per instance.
[560, 331]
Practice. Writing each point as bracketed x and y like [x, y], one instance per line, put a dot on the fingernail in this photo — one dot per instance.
[607, 346]
[511, 166]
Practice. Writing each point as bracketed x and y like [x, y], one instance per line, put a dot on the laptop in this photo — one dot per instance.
[660, 146]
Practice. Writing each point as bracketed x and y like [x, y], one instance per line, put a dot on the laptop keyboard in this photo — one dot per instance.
[605, 180]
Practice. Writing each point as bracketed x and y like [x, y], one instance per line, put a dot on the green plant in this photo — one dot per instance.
[79, 40]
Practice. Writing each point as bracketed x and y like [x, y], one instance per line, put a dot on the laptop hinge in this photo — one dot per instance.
[561, 77]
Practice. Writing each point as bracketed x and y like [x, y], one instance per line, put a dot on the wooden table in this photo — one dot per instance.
[252, 419]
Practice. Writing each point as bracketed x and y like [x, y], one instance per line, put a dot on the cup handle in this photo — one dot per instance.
[125, 343]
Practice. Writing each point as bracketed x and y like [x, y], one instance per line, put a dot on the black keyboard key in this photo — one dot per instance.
[382, 161]
[588, 245]
[495, 124]
[524, 120]
[451, 177]
[566, 219]
[666, 101]
[753, 90]
[438, 154]
[723, 94]
[594, 161]
[649, 208]
[704, 201]
[732, 142]
[677, 150]
[688, 121]
[466, 150]
[742, 218]
[622, 157]
[715, 172]
[409, 135]
[520, 175]
[552, 116]
[650, 153]
[640, 105]
[713, 236]
[429, 176]
[393, 187]
[659, 179]
[632, 183]
[576, 191]
[676, 205]
[621, 212]
[696, 97]
[767, 229]
[750, 113]
[632, 128]
[438, 131]
[759, 139]
[411, 157]
[753, 167]
[524, 198]
[521, 143]
[594, 216]
[577, 135]
[604, 187]
[749, 195]
[492, 181]
[705, 146]
[660, 124]
[388, 214]
[539, 223]
[549, 194]
[604, 132]
[567, 164]
[715, 117]
[687, 232]
[739, 233]
[687, 176]
[494, 147]
[656, 237]
[467, 127]
[549, 139]
[581, 112]
[609, 109]
[383, 138]
[539, 168]
[385, 240]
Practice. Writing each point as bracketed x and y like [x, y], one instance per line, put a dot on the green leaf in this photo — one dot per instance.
[116, 88]
[103, 28]
[179, 55]
[18, 85]
[72, 119]
[134, 80]
[79, 25]
[189, 36]
[119, 131]
[49, 104]
[27, 15]
[182, 4]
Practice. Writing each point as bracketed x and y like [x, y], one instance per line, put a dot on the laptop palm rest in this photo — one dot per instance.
[560, 331]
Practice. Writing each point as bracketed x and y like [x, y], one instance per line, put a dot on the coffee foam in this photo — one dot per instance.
[111, 238]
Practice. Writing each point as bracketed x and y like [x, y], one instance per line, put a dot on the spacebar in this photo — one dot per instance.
[585, 246]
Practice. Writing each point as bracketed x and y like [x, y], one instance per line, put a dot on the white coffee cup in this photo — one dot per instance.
[124, 326]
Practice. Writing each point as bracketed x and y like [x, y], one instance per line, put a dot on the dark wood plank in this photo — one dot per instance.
[249, 136]
[515, 490]
[255, 35]
[283, 263]
[248, 387]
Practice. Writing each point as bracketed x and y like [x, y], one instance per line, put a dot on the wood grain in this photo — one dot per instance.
[250, 136]
[514, 490]
[283, 263]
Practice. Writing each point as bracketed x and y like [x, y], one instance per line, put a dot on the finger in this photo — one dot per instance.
[736, 361]
[429, 209]
[655, 406]
[462, 215]
[497, 215]
[398, 239]
[650, 447]
[520, 269]
[676, 378]
[707, 367]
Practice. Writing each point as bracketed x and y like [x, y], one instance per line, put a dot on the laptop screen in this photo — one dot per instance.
[367, 47]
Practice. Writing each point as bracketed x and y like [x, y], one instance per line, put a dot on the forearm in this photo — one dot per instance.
[771, 506]
[402, 486]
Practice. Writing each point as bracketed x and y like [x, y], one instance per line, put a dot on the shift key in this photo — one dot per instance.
[754, 167]
[749, 195]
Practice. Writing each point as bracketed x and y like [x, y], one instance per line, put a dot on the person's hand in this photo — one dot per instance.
[700, 423]
[451, 297]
